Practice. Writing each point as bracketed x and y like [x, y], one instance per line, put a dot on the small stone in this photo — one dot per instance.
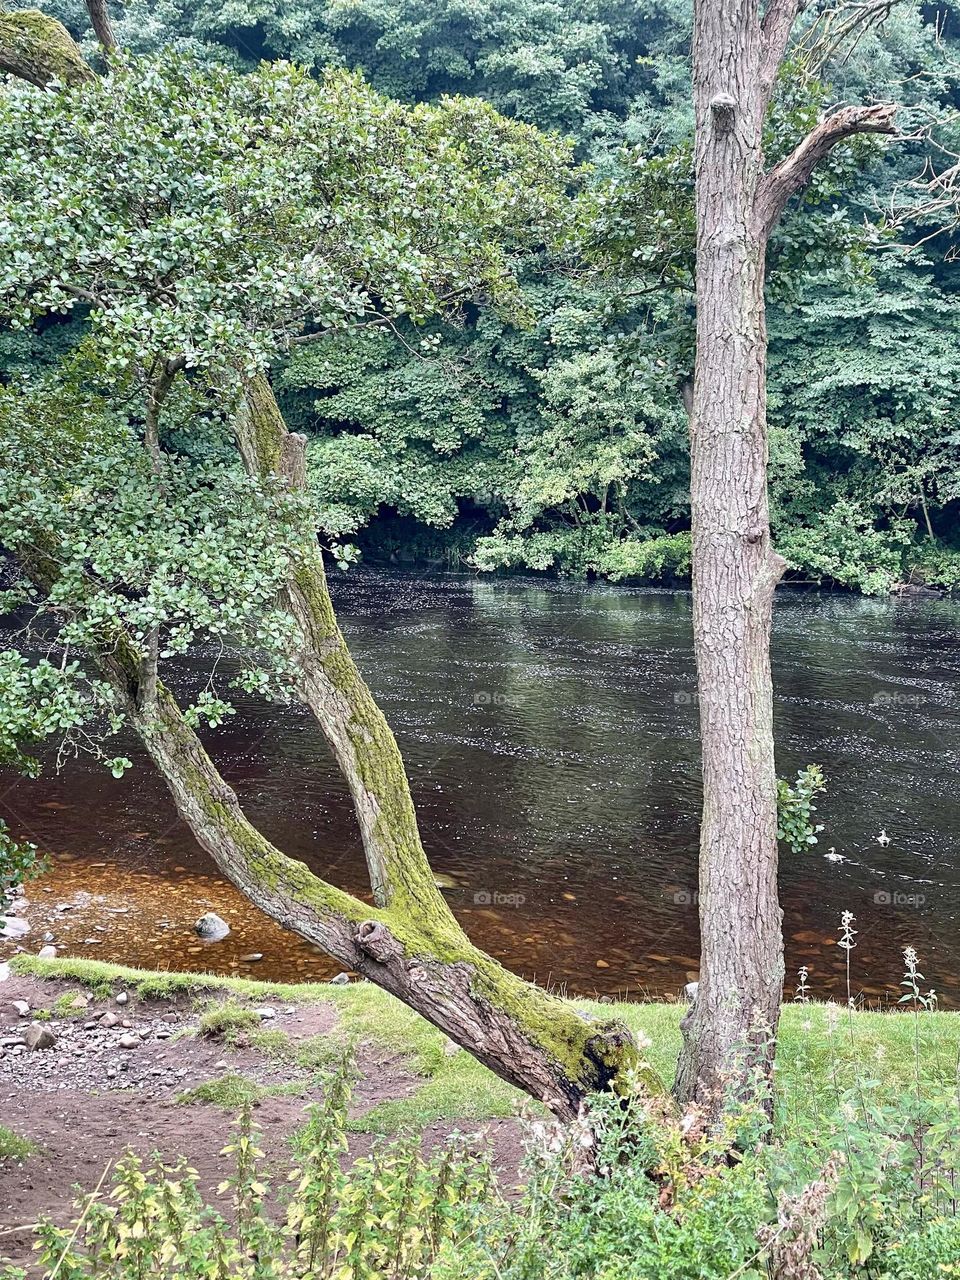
[450, 1048]
[90, 1026]
[265, 1011]
[78, 1003]
[12, 1042]
[211, 927]
[341, 980]
[14, 927]
[252, 958]
[163, 1034]
[122, 997]
[4, 971]
[38, 1036]
[109, 1020]
[690, 991]
[48, 936]
[47, 953]
[128, 1041]
[602, 964]
[22, 1008]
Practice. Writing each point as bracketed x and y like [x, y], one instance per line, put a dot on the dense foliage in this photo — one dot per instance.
[563, 445]
[205, 220]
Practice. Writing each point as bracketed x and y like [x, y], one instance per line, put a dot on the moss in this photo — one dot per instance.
[230, 1091]
[37, 48]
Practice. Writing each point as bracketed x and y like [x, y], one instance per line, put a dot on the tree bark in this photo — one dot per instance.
[522, 1033]
[36, 48]
[729, 1034]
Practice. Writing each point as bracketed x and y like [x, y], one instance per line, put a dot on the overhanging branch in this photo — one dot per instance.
[793, 173]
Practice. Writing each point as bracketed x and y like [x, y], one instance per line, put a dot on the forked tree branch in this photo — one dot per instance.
[792, 174]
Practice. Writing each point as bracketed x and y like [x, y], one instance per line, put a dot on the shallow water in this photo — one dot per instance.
[551, 736]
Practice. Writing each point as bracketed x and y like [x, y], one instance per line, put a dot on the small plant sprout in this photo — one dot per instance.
[802, 994]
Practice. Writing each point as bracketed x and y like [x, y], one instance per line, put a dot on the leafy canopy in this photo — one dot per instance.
[205, 220]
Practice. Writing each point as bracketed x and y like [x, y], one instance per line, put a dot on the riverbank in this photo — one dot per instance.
[162, 1061]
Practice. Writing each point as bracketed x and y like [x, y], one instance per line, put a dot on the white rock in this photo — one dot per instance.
[22, 1008]
[690, 991]
[122, 997]
[266, 1011]
[4, 971]
[47, 953]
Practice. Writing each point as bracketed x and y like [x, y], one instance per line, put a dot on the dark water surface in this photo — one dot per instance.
[551, 736]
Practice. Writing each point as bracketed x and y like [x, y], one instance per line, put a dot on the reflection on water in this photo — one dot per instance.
[551, 736]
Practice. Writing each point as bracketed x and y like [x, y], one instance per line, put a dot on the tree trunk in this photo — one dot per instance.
[332, 687]
[733, 1020]
[37, 48]
[526, 1036]
[730, 1032]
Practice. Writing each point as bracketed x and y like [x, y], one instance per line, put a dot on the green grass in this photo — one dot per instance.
[818, 1059]
[227, 1020]
[230, 1091]
[13, 1147]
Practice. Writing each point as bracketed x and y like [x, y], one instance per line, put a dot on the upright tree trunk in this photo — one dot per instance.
[729, 1033]
[735, 568]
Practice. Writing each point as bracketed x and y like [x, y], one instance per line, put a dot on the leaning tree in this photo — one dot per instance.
[739, 49]
[151, 495]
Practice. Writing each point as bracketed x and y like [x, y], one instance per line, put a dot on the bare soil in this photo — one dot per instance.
[85, 1100]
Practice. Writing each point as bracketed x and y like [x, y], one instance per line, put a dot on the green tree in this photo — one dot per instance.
[207, 220]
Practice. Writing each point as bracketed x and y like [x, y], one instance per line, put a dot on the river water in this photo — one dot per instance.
[551, 736]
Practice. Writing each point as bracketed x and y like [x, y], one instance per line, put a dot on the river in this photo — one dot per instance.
[550, 732]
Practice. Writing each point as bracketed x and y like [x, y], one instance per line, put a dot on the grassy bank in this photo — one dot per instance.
[824, 1051]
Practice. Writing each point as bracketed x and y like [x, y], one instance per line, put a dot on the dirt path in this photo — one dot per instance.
[105, 1087]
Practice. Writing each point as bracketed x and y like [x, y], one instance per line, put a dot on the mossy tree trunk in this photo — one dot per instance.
[37, 48]
[525, 1035]
[409, 942]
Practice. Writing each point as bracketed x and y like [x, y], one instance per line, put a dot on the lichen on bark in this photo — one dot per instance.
[39, 49]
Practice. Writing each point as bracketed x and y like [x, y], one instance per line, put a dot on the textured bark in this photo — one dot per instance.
[38, 49]
[526, 1036]
[729, 1033]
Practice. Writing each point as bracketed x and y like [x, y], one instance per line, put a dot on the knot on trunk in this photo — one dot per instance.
[723, 107]
[375, 940]
[612, 1050]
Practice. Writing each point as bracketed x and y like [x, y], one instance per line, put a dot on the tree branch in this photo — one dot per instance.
[36, 48]
[793, 173]
[100, 21]
[775, 28]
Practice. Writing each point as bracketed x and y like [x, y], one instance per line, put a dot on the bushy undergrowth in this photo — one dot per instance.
[857, 1183]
